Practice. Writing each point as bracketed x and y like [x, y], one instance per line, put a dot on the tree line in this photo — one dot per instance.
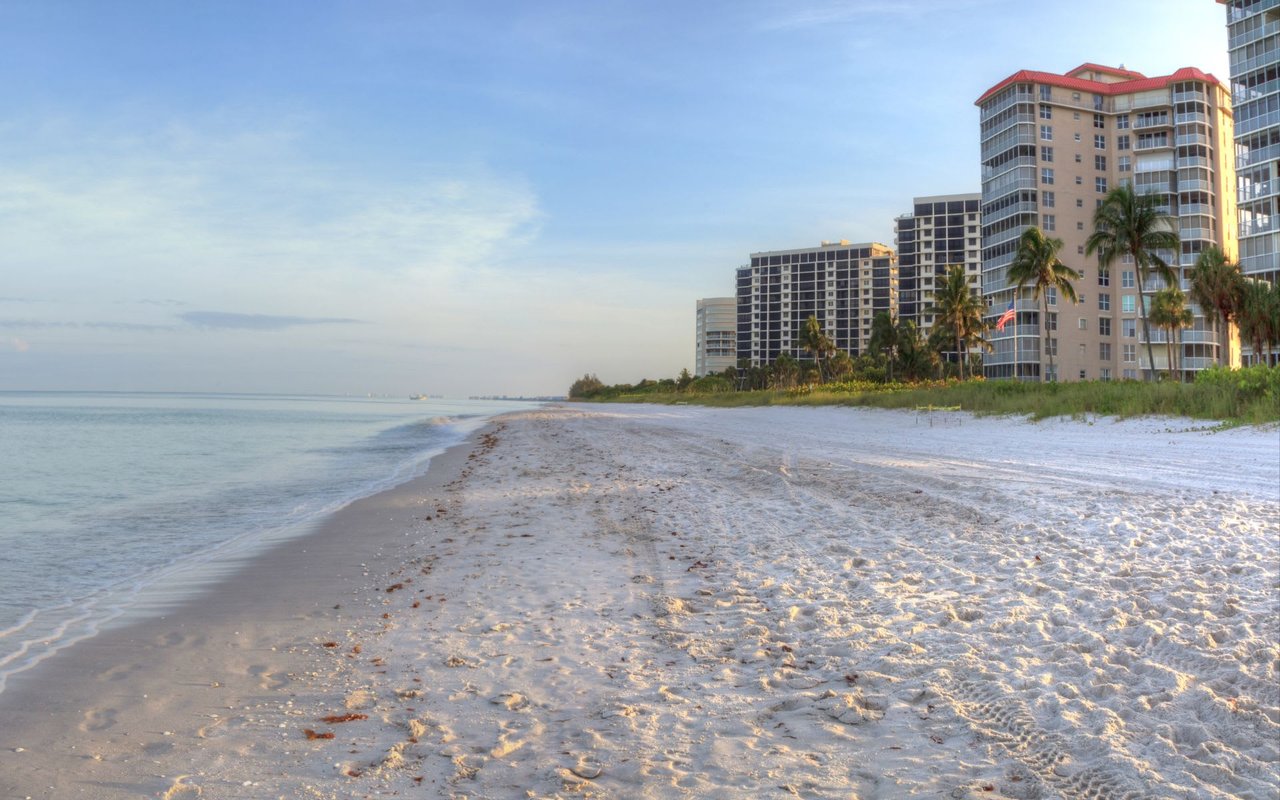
[1128, 228]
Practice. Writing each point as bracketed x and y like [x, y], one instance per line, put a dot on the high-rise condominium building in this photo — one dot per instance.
[940, 232]
[716, 335]
[1052, 146]
[1253, 40]
[843, 285]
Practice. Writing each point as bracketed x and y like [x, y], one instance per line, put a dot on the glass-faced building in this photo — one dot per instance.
[1253, 43]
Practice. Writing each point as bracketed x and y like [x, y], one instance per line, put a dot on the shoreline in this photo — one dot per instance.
[670, 603]
[101, 709]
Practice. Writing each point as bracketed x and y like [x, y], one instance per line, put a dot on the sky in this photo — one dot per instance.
[474, 197]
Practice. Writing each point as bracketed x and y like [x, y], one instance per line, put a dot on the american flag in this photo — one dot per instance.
[1006, 317]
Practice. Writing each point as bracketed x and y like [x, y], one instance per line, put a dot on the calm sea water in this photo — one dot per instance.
[104, 495]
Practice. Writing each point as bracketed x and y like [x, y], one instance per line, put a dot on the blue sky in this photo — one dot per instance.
[473, 197]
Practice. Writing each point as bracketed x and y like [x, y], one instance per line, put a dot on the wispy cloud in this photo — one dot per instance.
[44, 324]
[257, 322]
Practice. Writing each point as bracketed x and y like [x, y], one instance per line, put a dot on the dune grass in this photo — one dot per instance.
[1248, 396]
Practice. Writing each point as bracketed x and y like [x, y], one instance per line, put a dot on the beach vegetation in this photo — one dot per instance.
[1036, 264]
[957, 315]
[1250, 395]
[1170, 313]
[1259, 318]
[1218, 288]
[1132, 227]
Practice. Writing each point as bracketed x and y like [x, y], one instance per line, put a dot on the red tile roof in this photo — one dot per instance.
[1137, 82]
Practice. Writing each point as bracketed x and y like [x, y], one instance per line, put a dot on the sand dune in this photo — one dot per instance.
[822, 603]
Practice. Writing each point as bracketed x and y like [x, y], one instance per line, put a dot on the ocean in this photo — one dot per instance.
[106, 497]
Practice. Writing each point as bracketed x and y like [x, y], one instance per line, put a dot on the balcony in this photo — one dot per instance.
[1255, 191]
[1161, 121]
[1259, 155]
[1183, 119]
[1191, 138]
[1012, 100]
[1256, 227]
[1247, 126]
[1154, 143]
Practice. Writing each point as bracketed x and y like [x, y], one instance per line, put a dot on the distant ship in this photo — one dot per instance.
[426, 397]
[417, 397]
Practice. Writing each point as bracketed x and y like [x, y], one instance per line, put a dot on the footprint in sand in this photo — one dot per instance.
[266, 679]
[98, 719]
[174, 638]
[119, 672]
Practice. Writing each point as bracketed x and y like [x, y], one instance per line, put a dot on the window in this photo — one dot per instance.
[1099, 121]
[1076, 137]
[1122, 121]
[1046, 112]
[1105, 374]
[1104, 326]
[1129, 328]
[1130, 374]
[1104, 277]
[1079, 226]
[1104, 351]
[1099, 142]
[1048, 222]
[1046, 132]
[1080, 249]
[1084, 374]
[1100, 163]
[1127, 303]
[1104, 302]
[1051, 294]
[1051, 321]
[1126, 279]
[1122, 164]
[1051, 346]
[1129, 353]
[1097, 103]
[1047, 199]
[1100, 185]
[1122, 142]
[1079, 203]
[1079, 180]
[1044, 93]
[1082, 324]
[1078, 158]
[1046, 152]
[1046, 175]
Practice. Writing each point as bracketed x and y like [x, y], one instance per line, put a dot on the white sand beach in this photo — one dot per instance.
[642, 601]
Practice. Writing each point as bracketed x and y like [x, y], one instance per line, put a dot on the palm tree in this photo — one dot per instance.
[1131, 224]
[1259, 317]
[955, 307]
[884, 338]
[1169, 311]
[785, 372]
[812, 339]
[1036, 264]
[1216, 286]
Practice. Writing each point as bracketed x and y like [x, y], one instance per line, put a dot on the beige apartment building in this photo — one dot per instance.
[844, 285]
[715, 335]
[1052, 146]
[941, 231]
